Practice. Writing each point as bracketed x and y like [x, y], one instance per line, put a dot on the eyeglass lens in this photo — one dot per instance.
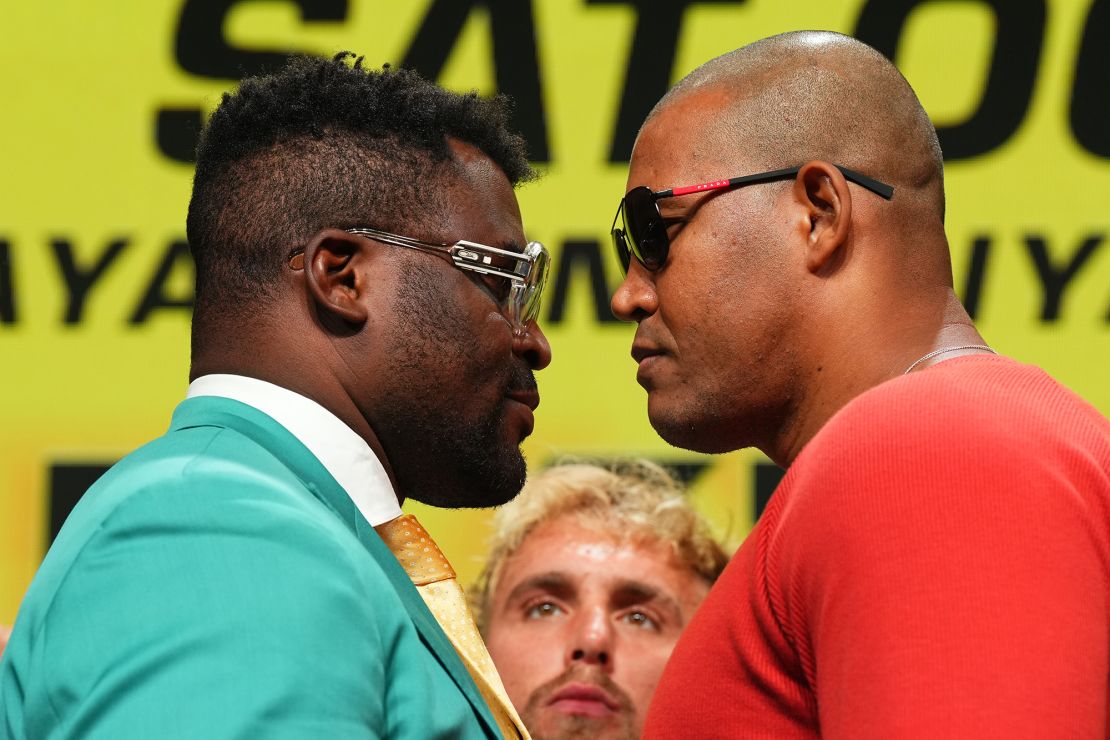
[524, 300]
[531, 307]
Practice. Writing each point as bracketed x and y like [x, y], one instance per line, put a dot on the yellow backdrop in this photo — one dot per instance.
[100, 108]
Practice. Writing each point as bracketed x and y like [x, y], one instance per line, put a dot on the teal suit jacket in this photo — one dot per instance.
[219, 583]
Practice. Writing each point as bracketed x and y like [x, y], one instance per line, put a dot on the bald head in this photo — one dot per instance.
[774, 305]
[810, 95]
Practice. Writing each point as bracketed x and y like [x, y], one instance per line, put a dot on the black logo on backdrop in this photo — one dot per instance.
[201, 49]
[1019, 37]
[582, 267]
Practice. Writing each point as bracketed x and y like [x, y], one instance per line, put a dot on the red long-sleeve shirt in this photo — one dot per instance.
[936, 564]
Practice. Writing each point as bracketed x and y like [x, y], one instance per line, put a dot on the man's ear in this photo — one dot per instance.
[333, 262]
[822, 190]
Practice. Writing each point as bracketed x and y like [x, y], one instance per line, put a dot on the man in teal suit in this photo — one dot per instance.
[363, 332]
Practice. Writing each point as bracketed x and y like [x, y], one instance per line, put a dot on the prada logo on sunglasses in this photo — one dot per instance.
[715, 185]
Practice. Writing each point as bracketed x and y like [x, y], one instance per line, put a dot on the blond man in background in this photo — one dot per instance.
[592, 575]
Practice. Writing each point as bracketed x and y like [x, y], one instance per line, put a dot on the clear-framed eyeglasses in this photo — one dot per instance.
[515, 279]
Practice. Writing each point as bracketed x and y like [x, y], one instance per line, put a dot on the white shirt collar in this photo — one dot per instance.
[345, 454]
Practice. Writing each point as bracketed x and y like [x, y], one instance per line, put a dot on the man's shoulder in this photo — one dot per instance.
[987, 402]
[200, 495]
[970, 432]
[229, 575]
[957, 511]
[188, 474]
[203, 535]
[201, 458]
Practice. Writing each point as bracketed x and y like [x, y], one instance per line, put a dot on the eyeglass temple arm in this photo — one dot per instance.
[881, 189]
[469, 255]
[403, 241]
[296, 257]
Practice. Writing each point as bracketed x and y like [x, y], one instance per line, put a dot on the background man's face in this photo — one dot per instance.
[457, 387]
[581, 624]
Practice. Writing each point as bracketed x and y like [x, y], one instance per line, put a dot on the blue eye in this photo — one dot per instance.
[641, 620]
[541, 610]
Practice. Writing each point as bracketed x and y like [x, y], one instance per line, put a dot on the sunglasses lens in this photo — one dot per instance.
[644, 228]
[620, 243]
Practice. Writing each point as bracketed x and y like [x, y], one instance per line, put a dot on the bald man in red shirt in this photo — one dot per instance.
[936, 563]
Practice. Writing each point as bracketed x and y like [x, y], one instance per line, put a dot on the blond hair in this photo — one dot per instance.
[636, 498]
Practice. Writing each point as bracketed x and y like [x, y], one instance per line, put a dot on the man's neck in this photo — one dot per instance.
[323, 388]
[861, 358]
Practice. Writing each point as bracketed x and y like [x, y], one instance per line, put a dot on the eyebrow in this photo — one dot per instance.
[630, 592]
[552, 581]
[625, 592]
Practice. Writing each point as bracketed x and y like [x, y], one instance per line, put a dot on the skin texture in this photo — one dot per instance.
[5, 633]
[781, 302]
[581, 624]
[463, 403]
[413, 354]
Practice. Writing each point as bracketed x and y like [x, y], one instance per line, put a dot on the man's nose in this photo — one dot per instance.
[532, 346]
[591, 640]
[635, 298]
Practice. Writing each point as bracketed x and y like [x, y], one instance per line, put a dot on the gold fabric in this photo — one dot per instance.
[435, 580]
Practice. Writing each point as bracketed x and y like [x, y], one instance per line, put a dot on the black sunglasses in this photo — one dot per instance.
[643, 230]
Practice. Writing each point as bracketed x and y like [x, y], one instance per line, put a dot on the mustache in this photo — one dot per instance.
[580, 673]
[521, 378]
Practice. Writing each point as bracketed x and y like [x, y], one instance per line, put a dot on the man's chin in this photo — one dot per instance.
[691, 427]
[478, 485]
[551, 724]
[501, 483]
[683, 431]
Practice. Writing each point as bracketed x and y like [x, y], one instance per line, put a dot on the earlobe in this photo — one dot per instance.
[822, 190]
[332, 262]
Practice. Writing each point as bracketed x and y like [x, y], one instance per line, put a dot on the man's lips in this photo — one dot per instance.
[641, 352]
[530, 397]
[646, 357]
[526, 400]
[584, 698]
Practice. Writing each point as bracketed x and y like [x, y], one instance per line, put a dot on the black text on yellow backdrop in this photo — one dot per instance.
[202, 50]
[580, 266]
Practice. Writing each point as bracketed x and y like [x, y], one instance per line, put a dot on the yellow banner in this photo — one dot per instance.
[103, 101]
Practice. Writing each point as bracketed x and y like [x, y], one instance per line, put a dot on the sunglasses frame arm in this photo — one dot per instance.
[879, 188]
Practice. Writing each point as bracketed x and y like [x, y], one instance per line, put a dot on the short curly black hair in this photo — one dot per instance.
[325, 143]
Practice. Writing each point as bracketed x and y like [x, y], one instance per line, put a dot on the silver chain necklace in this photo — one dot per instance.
[936, 352]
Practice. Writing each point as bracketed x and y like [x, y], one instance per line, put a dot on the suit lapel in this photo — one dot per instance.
[267, 433]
